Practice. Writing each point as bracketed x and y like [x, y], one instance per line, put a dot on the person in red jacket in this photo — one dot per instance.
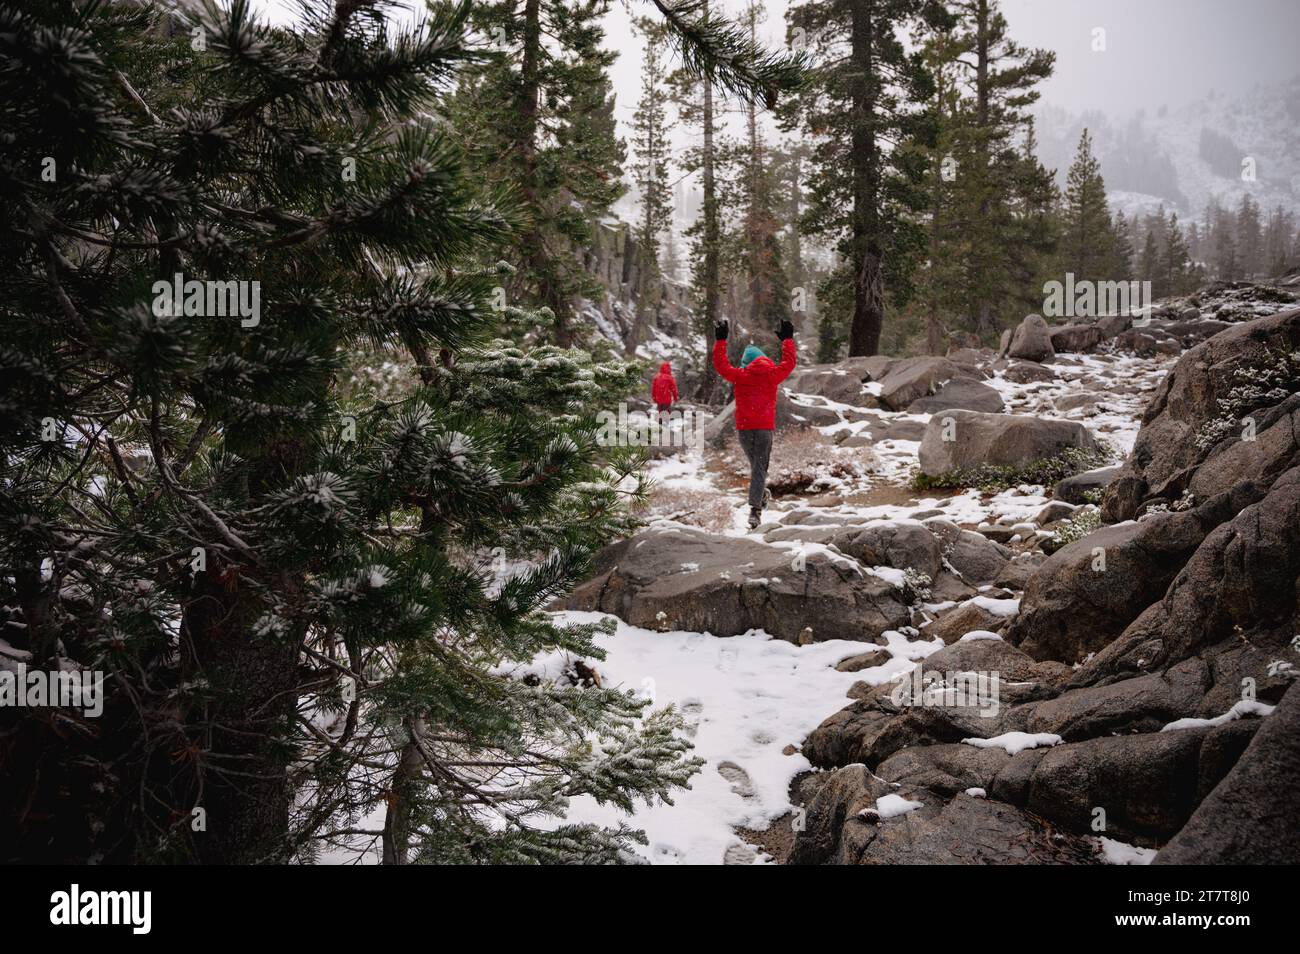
[663, 389]
[756, 381]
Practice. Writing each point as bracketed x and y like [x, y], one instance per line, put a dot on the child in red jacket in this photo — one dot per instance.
[756, 382]
[663, 389]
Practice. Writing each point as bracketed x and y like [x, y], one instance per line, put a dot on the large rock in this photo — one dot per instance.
[897, 545]
[973, 556]
[909, 379]
[1167, 458]
[1142, 704]
[841, 382]
[997, 440]
[1032, 340]
[1076, 488]
[1088, 592]
[1250, 818]
[1145, 784]
[843, 826]
[1076, 338]
[960, 393]
[670, 578]
[1026, 372]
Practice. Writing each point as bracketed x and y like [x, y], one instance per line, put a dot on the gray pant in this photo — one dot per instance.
[757, 446]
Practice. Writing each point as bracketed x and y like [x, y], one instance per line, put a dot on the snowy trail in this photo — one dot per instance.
[745, 699]
[751, 699]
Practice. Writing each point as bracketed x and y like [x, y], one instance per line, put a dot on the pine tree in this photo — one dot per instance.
[768, 287]
[1121, 268]
[1227, 265]
[1277, 241]
[1250, 238]
[1175, 263]
[1086, 241]
[651, 128]
[312, 604]
[526, 117]
[999, 76]
[864, 115]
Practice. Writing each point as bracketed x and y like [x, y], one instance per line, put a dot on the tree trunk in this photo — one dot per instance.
[709, 278]
[868, 285]
[397, 819]
[539, 263]
[242, 729]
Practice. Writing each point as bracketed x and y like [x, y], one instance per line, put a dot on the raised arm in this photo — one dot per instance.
[720, 363]
[788, 355]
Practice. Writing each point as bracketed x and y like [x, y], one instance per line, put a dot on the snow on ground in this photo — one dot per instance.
[1013, 742]
[745, 699]
[1118, 853]
[1240, 710]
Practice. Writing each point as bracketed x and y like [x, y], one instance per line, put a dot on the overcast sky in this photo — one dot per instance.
[1157, 52]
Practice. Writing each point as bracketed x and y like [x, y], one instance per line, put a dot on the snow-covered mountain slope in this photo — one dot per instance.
[1185, 156]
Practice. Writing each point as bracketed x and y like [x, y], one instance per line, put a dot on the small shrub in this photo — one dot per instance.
[991, 479]
[1079, 525]
[1254, 387]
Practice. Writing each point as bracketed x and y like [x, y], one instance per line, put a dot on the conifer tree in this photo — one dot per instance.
[651, 128]
[864, 114]
[317, 607]
[1175, 262]
[1250, 238]
[1086, 242]
[999, 76]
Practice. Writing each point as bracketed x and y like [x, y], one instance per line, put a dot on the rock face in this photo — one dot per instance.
[841, 382]
[1250, 817]
[996, 439]
[1076, 488]
[1190, 605]
[1167, 458]
[960, 393]
[1032, 340]
[910, 379]
[703, 582]
[1088, 592]
[1076, 338]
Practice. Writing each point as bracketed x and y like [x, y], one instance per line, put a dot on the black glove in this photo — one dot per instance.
[786, 331]
[721, 330]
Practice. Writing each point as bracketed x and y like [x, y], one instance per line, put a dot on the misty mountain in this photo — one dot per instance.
[1184, 156]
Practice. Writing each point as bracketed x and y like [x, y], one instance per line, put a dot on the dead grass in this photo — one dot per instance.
[707, 509]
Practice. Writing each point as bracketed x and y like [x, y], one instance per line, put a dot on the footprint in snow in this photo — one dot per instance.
[739, 855]
[740, 781]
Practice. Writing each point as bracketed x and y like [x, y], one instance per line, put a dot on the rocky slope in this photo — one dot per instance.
[1025, 683]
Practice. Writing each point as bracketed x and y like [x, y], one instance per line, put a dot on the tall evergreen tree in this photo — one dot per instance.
[1175, 262]
[1250, 238]
[1086, 242]
[999, 76]
[524, 116]
[864, 115]
[309, 601]
[651, 128]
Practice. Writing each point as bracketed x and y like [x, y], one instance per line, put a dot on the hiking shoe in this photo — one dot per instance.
[755, 518]
[767, 498]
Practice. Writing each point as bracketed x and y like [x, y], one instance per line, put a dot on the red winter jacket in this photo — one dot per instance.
[755, 385]
[663, 390]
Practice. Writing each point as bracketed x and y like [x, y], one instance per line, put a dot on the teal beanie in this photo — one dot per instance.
[752, 352]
